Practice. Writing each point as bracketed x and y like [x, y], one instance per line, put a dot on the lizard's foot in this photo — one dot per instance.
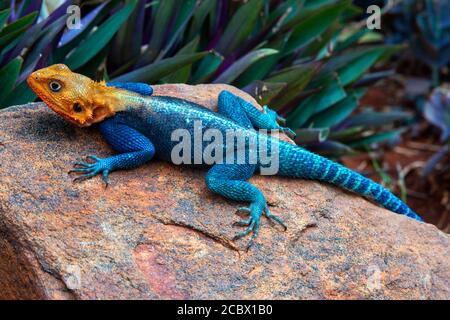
[255, 210]
[88, 170]
[273, 121]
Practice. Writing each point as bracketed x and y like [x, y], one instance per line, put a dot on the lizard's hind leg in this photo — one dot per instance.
[229, 180]
[248, 115]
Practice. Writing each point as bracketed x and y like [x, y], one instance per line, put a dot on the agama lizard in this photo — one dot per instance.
[139, 126]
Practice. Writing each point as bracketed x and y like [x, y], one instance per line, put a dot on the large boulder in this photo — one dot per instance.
[157, 232]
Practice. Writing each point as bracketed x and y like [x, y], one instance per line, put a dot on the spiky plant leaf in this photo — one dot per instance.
[100, 37]
[12, 31]
[8, 75]
[155, 71]
[313, 26]
[4, 14]
[184, 73]
[240, 26]
[242, 64]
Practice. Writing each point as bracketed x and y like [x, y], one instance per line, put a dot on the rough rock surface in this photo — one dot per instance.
[157, 232]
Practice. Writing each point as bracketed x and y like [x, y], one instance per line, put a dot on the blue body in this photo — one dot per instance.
[139, 134]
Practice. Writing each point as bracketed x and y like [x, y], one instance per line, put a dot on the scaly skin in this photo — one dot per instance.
[139, 125]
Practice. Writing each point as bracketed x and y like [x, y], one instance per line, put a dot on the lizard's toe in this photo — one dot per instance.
[243, 223]
[246, 231]
[289, 132]
[253, 222]
[272, 121]
[82, 165]
[256, 210]
[89, 170]
[105, 177]
[281, 120]
[273, 217]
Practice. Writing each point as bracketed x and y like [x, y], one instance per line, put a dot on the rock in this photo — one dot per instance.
[157, 233]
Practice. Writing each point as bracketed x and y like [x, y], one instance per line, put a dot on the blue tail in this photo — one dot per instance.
[298, 162]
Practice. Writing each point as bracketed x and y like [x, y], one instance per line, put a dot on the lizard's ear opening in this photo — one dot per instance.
[100, 113]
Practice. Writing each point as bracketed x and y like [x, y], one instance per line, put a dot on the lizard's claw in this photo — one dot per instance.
[88, 170]
[281, 120]
[255, 210]
[275, 120]
[289, 132]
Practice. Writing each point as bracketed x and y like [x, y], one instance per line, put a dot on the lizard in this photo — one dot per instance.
[139, 126]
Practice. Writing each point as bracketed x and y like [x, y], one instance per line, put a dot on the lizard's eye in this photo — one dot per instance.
[55, 86]
[77, 108]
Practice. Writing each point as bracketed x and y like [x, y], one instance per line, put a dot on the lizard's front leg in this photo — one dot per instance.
[229, 180]
[237, 108]
[135, 149]
[138, 87]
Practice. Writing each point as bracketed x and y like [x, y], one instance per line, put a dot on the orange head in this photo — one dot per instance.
[75, 97]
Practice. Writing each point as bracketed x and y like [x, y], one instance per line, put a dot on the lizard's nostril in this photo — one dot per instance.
[36, 76]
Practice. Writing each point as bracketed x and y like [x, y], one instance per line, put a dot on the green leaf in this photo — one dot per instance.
[261, 68]
[207, 67]
[299, 12]
[313, 26]
[339, 63]
[264, 92]
[242, 64]
[155, 71]
[371, 36]
[69, 42]
[182, 75]
[311, 135]
[200, 14]
[128, 41]
[240, 26]
[332, 93]
[46, 36]
[96, 41]
[352, 133]
[4, 14]
[13, 30]
[285, 15]
[8, 77]
[371, 118]
[20, 95]
[348, 38]
[296, 77]
[375, 138]
[320, 47]
[315, 4]
[184, 13]
[161, 22]
[357, 67]
[335, 114]
[91, 68]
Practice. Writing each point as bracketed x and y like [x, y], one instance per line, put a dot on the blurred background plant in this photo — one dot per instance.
[421, 84]
[295, 56]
